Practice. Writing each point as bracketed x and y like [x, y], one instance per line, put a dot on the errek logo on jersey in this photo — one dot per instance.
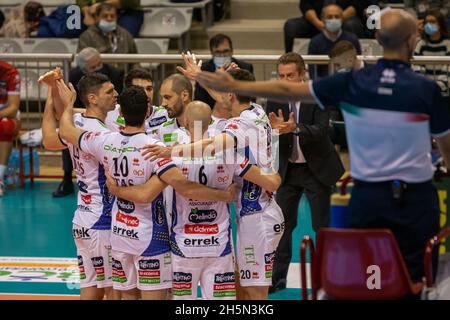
[201, 229]
[157, 121]
[130, 221]
[149, 264]
[224, 285]
[81, 233]
[122, 232]
[197, 216]
[208, 242]
[125, 206]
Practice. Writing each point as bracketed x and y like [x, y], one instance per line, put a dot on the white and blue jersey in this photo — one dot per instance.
[94, 203]
[390, 114]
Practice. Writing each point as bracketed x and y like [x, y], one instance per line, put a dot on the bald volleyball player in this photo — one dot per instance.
[391, 113]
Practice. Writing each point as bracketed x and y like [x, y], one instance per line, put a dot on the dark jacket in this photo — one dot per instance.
[320, 154]
[201, 94]
[317, 6]
[114, 74]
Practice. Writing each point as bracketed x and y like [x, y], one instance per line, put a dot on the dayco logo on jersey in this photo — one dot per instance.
[125, 206]
[82, 186]
[126, 233]
[201, 229]
[81, 233]
[130, 221]
[279, 227]
[163, 161]
[182, 277]
[87, 198]
[157, 121]
[149, 264]
[208, 242]
[158, 211]
[198, 216]
[138, 172]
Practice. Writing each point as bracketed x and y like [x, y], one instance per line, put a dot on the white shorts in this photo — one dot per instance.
[145, 273]
[94, 256]
[258, 236]
[216, 277]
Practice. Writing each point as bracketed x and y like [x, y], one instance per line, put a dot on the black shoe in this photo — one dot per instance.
[279, 285]
[65, 188]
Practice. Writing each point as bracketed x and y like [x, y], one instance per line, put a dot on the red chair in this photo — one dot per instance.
[343, 264]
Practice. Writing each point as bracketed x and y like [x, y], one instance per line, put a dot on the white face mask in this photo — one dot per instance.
[106, 26]
[333, 25]
[221, 61]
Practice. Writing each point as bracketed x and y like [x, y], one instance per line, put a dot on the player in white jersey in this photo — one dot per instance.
[140, 238]
[92, 219]
[201, 230]
[158, 115]
[260, 221]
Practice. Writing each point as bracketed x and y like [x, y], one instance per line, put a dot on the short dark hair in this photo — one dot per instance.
[104, 6]
[180, 83]
[137, 73]
[243, 75]
[90, 83]
[292, 57]
[341, 47]
[218, 39]
[441, 22]
[133, 105]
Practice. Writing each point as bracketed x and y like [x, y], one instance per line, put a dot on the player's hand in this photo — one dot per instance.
[111, 184]
[230, 193]
[153, 151]
[67, 94]
[220, 80]
[191, 67]
[49, 78]
[278, 123]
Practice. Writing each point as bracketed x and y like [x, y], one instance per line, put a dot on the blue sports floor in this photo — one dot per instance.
[37, 253]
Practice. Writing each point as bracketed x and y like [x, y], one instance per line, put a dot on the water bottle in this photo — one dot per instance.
[12, 177]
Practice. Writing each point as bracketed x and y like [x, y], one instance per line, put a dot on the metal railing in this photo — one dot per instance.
[31, 66]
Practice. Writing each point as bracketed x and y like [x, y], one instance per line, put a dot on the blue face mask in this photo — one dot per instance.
[333, 25]
[221, 61]
[431, 28]
[106, 26]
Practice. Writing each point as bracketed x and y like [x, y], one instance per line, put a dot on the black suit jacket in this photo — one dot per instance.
[114, 74]
[317, 148]
[201, 94]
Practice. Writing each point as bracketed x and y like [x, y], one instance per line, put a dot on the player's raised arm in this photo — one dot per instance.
[143, 193]
[274, 90]
[51, 140]
[68, 131]
[194, 190]
[268, 181]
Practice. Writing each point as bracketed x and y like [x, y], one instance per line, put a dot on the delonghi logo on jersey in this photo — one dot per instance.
[149, 264]
[87, 198]
[198, 216]
[158, 211]
[97, 261]
[82, 186]
[201, 229]
[157, 121]
[208, 242]
[130, 221]
[182, 277]
[81, 233]
[224, 277]
[268, 258]
[125, 206]
[132, 234]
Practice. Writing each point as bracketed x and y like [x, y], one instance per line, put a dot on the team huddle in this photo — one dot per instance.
[155, 185]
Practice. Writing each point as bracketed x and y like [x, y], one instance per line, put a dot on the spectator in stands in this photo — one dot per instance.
[88, 61]
[421, 7]
[131, 15]
[221, 49]
[353, 18]
[435, 42]
[321, 44]
[23, 21]
[9, 110]
[344, 57]
[105, 35]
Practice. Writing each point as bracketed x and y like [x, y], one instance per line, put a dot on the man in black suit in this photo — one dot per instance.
[88, 61]
[221, 49]
[308, 163]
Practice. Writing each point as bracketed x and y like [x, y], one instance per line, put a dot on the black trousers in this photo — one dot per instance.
[299, 179]
[67, 164]
[413, 222]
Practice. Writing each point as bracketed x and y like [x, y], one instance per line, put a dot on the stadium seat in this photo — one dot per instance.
[301, 46]
[49, 45]
[370, 47]
[10, 46]
[29, 87]
[168, 23]
[342, 265]
[152, 46]
[152, 3]
[206, 7]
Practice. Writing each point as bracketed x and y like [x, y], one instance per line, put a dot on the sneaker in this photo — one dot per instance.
[2, 188]
[65, 188]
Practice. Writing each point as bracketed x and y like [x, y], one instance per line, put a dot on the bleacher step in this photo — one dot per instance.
[264, 9]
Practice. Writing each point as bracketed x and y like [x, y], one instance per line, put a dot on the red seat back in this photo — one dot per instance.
[345, 260]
